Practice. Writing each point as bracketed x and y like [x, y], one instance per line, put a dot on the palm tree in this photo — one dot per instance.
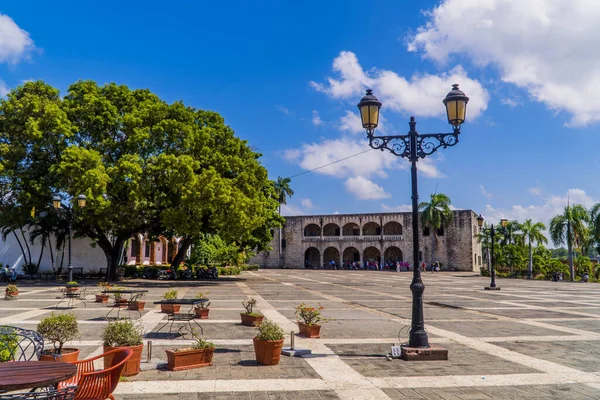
[570, 227]
[595, 225]
[282, 190]
[435, 215]
[533, 233]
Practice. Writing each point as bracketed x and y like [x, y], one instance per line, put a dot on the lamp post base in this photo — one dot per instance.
[431, 353]
[491, 288]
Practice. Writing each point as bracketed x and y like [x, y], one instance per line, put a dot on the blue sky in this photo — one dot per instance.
[287, 76]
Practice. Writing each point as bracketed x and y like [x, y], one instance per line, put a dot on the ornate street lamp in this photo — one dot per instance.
[67, 212]
[414, 146]
[492, 231]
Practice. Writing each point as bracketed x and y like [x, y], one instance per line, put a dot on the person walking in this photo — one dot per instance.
[423, 266]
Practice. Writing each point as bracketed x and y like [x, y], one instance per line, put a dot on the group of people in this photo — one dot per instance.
[371, 265]
[8, 275]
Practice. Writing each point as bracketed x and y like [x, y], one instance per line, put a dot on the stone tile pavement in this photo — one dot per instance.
[532, 339]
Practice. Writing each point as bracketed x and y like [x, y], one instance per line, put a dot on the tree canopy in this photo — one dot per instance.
[144, 165]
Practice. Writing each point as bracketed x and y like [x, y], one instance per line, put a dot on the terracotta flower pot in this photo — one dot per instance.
[136, 305]
[121, 303]
[101, 298]
[202, 313]
[170, 308]
[66, 355]
[268, 352]
[132, 366]
[12, 294]
[252, 320]
[188, 359]
[72, 289]
[309, 331]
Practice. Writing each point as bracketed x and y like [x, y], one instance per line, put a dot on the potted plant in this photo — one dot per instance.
[135, 303]
[268, 343]
[101, 297]
[72, 286]
[120, 300]
[11, 291]
[170, 308]
[199, 354]
[123, 333]
[202, 309]
[251, 318]
[59, 329]
[310, 317]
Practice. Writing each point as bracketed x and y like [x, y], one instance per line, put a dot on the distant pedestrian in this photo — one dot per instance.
[423, 266]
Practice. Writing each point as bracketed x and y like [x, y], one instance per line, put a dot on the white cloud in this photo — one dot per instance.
[485, 192]
[420, 95]
[335, 212]
[427, 166]
[316, 120]
[511, 102]
[3, 88]
[283, 109]
[351, 122]
[536, 190]
[398, 208]
[307, 203]
[314, 155]
[552, 206]
[365, 189]
[545, 47]
[294, 209]
[15, 43]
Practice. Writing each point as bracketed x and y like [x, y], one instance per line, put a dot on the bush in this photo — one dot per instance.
[122, 333]
[170, 294]
[229, 270]
[9, 343]
[30, 269]
[484, 271]
[131, 271]
[59, 329]
[539, 277]
[250, 267]
[269, 330]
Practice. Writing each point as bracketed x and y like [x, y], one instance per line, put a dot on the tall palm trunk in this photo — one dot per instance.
[570, 249]
[530, 266]
[433, 243]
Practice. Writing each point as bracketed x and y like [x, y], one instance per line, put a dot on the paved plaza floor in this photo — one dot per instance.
[531, 339]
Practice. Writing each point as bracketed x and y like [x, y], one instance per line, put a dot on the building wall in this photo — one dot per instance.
[457, 248]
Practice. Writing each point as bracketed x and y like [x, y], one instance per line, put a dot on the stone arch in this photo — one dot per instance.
[372, 254]
[331, 229]
[351, 254]
[393, 254]
[312, 258]
[331, 254]
[351, 229]
[312, 230]
[392, 228]
[371, 229]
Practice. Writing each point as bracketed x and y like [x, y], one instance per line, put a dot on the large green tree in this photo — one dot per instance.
[570, 228]
[435, 215]
[533, 233]
[283, 190]
[144, 165]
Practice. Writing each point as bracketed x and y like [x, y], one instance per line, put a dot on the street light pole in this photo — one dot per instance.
[492, 232]
[414, 146]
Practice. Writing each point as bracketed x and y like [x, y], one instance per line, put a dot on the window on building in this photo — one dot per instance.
[425, 231]
[420, 256]
[337, 232]
[475, 259]
[355, 231]
[378, 231]
[135, 247]
[283, 243]
[479, 260]
[440, 231]
[147, 250]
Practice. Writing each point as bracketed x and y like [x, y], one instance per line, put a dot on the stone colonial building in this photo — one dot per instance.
[317, 240]
[141, 250]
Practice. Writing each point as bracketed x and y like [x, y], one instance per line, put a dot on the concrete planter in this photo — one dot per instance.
[189, 359]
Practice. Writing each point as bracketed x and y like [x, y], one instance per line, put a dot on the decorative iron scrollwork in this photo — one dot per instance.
[400, 145]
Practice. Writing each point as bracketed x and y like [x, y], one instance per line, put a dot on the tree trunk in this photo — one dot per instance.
[571, 269]
[29, 259]
[51, 253]
[280, 241]
[187, 242]
[20, 245]
[433, 237]
[39, 259]
[530, 266]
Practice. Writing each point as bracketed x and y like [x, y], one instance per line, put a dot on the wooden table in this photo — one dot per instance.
[33, 374]
[182, 317]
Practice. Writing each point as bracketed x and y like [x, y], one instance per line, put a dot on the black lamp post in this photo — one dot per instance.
[414, 146]
[67, 212]
[492, 232]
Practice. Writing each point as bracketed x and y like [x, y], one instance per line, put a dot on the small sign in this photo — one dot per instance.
[396, 351]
